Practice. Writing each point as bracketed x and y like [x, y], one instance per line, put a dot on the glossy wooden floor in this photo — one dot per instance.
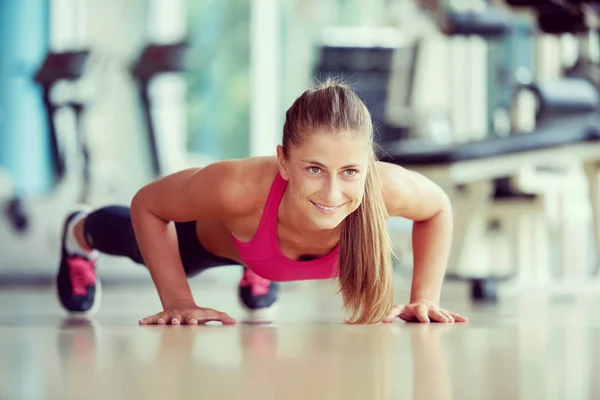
[534, 347]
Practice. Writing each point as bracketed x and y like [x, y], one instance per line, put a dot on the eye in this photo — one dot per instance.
[314, 170]
[351, 172]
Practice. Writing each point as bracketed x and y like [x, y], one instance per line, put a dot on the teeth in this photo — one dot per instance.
[325, 208]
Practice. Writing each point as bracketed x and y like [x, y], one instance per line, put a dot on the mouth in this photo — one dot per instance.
[326, 209]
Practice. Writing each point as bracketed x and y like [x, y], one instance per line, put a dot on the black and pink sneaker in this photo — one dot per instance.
[258, 297]
[77, 285]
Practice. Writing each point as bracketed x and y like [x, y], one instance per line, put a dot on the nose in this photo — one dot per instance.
[332, 193]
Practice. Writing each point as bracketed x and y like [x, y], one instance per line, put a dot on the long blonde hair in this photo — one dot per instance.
[365, 259]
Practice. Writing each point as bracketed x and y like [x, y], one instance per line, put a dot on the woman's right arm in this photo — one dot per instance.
[213, 191]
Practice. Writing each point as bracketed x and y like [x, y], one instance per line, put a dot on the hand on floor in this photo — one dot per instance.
[423, 311]
[187, 315]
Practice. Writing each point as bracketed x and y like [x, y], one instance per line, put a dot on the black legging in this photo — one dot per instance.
[109, 230]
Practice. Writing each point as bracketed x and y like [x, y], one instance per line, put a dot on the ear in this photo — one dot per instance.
[282, 163]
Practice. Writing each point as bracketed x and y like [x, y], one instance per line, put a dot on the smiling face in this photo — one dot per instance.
[326, 176]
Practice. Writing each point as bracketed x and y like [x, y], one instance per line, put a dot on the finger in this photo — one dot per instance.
[227, 320]
[175, 318]
[407, 316]
[213, 315]
[438, 316]
[151, 320]
[448, 315]
[162, 319]
[189, 319]
[393, 313]
[410, 313]
[458, 317]
[421, 313]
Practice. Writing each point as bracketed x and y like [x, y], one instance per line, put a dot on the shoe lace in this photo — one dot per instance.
[82, 274]
[258, 284]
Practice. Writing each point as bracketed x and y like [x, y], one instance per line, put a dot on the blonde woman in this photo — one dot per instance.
[316, 210]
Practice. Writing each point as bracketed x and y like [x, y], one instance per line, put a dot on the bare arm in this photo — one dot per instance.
[411, 195]
[191, 194]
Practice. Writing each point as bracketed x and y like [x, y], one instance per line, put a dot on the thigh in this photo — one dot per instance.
[195, 257]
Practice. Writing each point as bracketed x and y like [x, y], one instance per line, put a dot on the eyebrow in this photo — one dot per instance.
[323, 166]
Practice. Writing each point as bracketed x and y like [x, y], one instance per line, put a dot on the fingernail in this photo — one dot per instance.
[174, 321]
[193, 321]
[161, 321]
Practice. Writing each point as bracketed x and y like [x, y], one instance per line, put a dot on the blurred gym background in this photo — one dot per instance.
[497, 101]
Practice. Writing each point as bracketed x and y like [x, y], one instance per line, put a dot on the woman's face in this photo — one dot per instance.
[326, 175]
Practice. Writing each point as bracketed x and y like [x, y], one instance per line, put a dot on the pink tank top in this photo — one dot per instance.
[263, 255]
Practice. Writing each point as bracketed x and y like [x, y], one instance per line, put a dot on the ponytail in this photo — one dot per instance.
[365, 261]
[365, 258]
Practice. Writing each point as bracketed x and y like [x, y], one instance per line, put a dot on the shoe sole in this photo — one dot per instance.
[98, 292]
[265, 315]
[82, 314]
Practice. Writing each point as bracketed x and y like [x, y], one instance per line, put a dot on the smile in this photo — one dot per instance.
[325, 209]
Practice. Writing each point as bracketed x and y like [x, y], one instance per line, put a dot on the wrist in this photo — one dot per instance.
[184, 302]
[424, 299]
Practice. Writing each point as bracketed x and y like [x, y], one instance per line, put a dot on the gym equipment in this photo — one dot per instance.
[555, 19]
[154, 60]
[560, 99]
[364, 58]
[482, 176]
[500, 32]
[56, 68]
[469, 173]
[30, 233]
[574, 17]
[489, 23]
[425, 154]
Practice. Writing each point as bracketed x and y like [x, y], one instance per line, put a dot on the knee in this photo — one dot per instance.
[109, 230]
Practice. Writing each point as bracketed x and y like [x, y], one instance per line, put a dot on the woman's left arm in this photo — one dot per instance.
[412, 196]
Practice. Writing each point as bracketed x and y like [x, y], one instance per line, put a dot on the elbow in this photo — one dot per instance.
[144, 205]
[446, 202]
[139, 202]
[443, 208]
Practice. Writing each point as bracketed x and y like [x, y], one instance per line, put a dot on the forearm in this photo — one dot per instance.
[157, 240]
[432, 239]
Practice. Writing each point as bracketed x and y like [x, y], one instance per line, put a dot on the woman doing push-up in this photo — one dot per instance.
[316, 210]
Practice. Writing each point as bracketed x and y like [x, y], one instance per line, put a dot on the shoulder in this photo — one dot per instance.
[241, 185]
[225, 190]
[409, 194]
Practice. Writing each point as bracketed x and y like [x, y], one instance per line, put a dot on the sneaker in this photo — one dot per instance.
[77, 285]
[257, 297]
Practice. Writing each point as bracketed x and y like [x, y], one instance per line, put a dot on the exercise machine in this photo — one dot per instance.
[156, 60]
[30, 229]
[56, 69]
[475, 174]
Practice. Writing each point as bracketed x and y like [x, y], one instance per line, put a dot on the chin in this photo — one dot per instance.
[327, 223]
